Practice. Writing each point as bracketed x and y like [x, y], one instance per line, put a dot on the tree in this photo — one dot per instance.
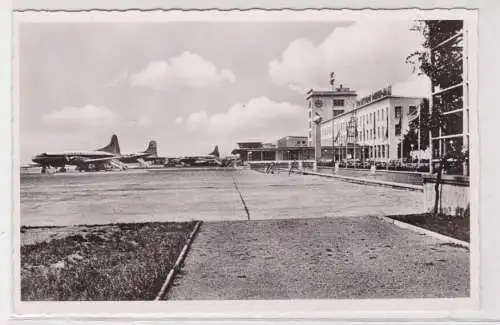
[442, 61]
[418, 126]
[444, 68]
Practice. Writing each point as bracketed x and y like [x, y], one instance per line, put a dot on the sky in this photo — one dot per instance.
[193, 85]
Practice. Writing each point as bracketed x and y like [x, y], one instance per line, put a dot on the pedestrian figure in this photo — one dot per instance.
[292, 166]
[270, 168]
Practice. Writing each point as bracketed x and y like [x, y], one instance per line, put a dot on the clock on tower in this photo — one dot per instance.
[318, 103]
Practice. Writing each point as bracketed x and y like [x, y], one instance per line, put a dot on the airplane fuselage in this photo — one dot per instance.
[61, 159]
[132, 158]
[201, 161]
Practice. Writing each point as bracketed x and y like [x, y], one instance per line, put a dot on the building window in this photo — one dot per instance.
[452, 123]
[449, 100]
[338, 102]
[412, 110]
[309, 113]
[397, 112]
[397, 129]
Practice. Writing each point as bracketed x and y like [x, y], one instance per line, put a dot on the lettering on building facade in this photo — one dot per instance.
[387, 91]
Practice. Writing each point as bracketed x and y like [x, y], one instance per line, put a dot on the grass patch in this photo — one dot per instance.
[115, 262]
[456, 227]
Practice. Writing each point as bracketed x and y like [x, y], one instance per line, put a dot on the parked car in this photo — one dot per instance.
[365, 164]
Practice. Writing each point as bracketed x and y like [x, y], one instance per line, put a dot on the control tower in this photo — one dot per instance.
[328, 104]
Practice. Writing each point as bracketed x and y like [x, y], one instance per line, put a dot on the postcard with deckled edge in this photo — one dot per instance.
[285, 164]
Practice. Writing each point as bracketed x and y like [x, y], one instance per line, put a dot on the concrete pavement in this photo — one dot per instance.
[321, 258]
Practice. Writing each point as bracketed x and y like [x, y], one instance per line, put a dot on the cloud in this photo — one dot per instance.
[144, 121]
[259, 117]
[366, 55]
[197, 119]
[87, 115]
[179, 120]
[188, 69]
[417, 86]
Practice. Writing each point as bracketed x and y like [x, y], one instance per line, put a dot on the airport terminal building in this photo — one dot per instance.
[371, 128]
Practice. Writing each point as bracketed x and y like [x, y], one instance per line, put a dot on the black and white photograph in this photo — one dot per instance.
[248, 156]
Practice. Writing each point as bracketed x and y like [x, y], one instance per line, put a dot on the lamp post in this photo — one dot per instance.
[402, 148]
[317, 147]
[452, 152]
[351, 130]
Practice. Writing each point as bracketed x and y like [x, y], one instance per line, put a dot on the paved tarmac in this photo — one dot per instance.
[211, 195]
[321, 258]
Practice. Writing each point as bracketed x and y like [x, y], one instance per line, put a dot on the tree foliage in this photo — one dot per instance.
[441, 59]
[421, 124]
[442, 63]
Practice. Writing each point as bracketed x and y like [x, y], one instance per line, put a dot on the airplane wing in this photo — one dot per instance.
[83, 160]
[31, 165]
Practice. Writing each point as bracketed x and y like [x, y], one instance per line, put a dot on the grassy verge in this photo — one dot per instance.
[456, 227]
[114, 262]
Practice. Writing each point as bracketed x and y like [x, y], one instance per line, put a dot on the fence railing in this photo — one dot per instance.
[282, 164]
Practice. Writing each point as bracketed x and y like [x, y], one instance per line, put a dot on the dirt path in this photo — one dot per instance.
[325, 258]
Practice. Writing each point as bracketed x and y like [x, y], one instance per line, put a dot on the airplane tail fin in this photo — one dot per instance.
[215, 152]
[152, 148]
[113, 146]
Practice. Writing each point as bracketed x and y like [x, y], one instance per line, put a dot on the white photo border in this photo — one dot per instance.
[273, 309]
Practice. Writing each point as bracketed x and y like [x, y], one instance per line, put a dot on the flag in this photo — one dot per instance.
[414, 115]
[399, 125]
[337, 136]
[387, 127]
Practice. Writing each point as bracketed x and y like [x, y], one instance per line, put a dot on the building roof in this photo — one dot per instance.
[331, 93]
[339, 91]
[250, 144]
[294, 137]
[238, 150]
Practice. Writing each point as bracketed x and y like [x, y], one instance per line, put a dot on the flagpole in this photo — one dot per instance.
[333, 138]
[332, 84]
[418, 143]
[346, 139]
